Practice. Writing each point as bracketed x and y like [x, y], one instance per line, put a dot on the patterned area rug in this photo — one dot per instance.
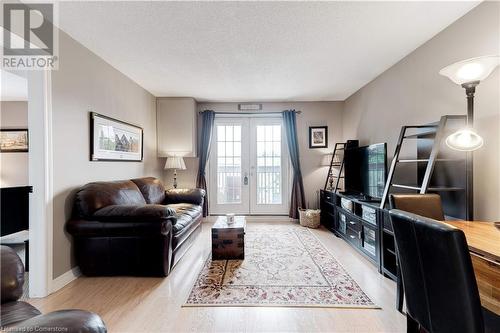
[285, 265]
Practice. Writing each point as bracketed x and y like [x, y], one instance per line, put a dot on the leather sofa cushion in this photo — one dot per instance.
[12, 275]
[194, 196]
[14, 312]
[185, 214]
[94, 196]
[133, 213]
[152, 189]
[72, 321]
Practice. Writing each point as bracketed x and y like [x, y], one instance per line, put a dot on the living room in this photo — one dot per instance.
[209, 166]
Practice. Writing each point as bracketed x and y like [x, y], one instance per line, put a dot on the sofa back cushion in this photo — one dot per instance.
[152, 189]
[94, 196]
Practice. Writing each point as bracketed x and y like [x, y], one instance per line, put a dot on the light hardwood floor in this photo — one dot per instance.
[129, 304]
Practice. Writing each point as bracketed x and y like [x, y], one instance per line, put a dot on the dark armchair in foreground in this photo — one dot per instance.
[19, 316]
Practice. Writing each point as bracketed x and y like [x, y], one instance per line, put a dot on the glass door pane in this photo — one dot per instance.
[268, 169]
[229, 164]
[229, 170]
[268, 166]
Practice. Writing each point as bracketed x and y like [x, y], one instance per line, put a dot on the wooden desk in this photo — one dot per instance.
[483, 239]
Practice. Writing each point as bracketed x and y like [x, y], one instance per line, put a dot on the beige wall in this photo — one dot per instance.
[313, 114]
[412, 92]
[13, 166]
[83, 83]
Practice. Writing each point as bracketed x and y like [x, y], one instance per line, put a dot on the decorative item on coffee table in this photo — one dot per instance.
[228, 239]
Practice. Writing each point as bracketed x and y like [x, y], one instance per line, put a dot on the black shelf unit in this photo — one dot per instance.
[358, 226]
[388, 262]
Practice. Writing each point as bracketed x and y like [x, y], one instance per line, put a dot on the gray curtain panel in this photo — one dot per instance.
[298, 198]
[207, 125]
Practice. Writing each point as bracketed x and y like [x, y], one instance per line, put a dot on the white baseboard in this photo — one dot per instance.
[64, 279]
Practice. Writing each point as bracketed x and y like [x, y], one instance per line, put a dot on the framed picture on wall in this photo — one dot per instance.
[318, 137]
[114, 140]
[14, 140]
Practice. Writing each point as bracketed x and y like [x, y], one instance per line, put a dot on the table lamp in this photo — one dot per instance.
[469, 73]
[176, 163]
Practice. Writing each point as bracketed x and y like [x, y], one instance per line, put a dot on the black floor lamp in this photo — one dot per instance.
[469, 73]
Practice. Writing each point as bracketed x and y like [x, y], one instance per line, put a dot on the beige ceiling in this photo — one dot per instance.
[255, 51]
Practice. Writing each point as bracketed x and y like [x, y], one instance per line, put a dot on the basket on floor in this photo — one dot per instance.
[309, 217]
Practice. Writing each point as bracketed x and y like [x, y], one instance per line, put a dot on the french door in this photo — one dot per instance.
[248, 166]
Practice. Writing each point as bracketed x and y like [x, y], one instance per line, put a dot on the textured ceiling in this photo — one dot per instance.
[255, 51]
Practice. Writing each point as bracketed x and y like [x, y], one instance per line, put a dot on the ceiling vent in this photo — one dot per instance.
[249, 107]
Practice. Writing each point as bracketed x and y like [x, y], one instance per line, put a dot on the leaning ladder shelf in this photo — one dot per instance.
[436, 132]
[338, 163]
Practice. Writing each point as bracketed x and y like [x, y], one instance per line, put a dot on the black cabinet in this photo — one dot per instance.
[388, 257]
[327, 207]
[354, 221]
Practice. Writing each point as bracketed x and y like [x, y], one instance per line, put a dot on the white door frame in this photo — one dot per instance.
[268, 209]
[41, 178]
[286, 167]
[244, 206]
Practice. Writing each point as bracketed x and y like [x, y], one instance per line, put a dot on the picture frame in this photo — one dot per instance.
[14, 140]
[115, 140]
[318, 137]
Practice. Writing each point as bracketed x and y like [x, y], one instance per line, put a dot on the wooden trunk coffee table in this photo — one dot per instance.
[228, 240]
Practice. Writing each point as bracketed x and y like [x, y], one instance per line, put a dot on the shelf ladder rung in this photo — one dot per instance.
[445, 189]
[420, 135]
[413, 161]
[427, 160]
[408, 187]
[423, 126]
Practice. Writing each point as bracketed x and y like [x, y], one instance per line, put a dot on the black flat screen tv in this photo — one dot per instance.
[366, 171]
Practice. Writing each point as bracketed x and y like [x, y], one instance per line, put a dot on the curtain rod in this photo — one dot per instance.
[256, 112]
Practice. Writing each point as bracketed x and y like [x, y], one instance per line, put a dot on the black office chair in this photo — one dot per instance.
[427, 205]
[439, 282]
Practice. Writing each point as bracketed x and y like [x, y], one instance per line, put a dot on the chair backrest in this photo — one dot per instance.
[428, 205]
[439, 282]
[12, 275]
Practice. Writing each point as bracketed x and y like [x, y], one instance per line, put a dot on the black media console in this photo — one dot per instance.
[363, 225]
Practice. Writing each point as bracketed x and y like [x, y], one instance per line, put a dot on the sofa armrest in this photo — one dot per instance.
[193, 196]
[87, 228]
[12, 275]
[69, 321]
[125, 220]
[134, 213]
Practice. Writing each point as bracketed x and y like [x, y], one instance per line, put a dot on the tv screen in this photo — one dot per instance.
[365, 170]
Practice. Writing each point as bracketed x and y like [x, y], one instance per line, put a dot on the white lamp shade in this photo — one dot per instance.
[175, 162]
[464, 140]
[470, 70]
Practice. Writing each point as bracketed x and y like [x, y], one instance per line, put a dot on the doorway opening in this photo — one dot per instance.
[249, 166]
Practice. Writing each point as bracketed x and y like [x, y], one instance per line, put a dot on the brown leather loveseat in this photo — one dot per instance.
[133, 227]
[19, 316]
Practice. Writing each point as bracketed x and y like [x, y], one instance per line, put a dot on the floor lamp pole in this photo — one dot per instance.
[470, 89]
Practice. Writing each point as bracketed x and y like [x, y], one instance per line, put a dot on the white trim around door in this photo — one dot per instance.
[249, 166]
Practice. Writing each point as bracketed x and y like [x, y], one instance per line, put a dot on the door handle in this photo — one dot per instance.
[245, 179]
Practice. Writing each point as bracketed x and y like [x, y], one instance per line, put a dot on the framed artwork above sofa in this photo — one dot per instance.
[114, 140]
